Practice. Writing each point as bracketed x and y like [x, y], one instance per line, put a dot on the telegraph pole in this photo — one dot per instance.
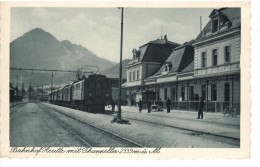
[51, 81]
[120, 67]
[17, 85]
[200, 24]
[42, 92]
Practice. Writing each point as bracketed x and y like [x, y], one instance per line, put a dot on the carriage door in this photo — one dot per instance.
[98, 89]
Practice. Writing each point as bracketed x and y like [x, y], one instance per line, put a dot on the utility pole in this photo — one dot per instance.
[120, 67]
[200, 24]
[17, 81]
[51, 81]
[42, 92]
[29, 91]
[16, 85]
[22, 90]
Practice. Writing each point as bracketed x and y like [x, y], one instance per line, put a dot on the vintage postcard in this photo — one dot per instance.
[159, 80]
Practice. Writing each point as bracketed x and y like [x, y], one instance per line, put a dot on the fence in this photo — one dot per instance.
[210, 106]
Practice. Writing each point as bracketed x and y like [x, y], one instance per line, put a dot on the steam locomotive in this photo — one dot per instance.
[89, 94]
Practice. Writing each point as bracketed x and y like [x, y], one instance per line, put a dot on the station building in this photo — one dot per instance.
[146, 61]
[207, 67]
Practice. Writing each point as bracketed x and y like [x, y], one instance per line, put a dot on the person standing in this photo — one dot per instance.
[168, 104]
[140, 105]
[201, 106]
[113, 105]
[149, 106]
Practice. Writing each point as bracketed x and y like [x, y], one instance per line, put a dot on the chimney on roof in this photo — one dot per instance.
[165, 38]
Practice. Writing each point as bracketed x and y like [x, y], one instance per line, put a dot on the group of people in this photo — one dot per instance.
[168, 105]
[140, 105]
[149, 105]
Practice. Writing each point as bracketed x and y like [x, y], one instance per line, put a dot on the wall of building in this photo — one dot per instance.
[132, 69]
[233, 42]
[162, 92]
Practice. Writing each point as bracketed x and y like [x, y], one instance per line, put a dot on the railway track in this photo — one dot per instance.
[11, 106]
[208, 135]
[103, 137]
[195, 132]
[161, 116]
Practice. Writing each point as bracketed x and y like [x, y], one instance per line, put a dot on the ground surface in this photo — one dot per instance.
[30, 125]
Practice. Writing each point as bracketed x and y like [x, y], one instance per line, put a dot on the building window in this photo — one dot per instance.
[182, 93]
[191, 93]
[214, 92]
[204, 59]
[133, 75]
[214, 25]
[77, 86]
[215, 57]
[165, 93]
[227, 54]
[227, 90]
[203, 92]
[137, 75]
[130, 76]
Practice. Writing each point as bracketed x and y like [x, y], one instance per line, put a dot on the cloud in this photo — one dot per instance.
[111, 20]
[45, 13]
[176, 32]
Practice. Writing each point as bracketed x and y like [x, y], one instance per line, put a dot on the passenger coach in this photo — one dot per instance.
[90, 94]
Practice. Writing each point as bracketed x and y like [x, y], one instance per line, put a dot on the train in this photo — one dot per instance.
[90, 94]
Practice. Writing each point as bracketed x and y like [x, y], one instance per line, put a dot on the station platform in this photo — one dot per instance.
[212, 123]
[156, 129]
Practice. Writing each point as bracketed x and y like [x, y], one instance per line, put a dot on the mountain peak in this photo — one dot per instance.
[38, 33]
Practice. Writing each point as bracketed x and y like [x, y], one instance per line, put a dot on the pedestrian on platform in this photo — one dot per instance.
[140, 105]
[168, 104]
[149, 104]
[201, 107]
[113, 105]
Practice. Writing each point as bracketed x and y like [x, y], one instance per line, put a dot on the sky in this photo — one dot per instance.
[98, 29]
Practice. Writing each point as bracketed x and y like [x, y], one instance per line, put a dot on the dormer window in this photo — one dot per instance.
[167, 66]
[215, 25]
[136, 54]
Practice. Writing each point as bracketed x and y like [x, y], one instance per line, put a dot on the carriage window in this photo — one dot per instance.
[98, 85]
[106, 85]
[92, 85]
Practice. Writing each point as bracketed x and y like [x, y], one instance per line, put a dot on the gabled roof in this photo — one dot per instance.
[228, 15]
[155, 51]
[181, 58]
[162, 41]
[214, 12]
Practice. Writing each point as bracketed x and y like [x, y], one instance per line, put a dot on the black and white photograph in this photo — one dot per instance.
[124, 79]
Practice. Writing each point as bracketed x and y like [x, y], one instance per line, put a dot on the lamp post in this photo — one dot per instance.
[120, 67]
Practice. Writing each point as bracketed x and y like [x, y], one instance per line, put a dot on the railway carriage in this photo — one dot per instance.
[90, 94]
[55, 96]
[66, 95]
[59, 96]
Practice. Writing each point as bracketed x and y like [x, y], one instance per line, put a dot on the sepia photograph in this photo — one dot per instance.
[126, 80]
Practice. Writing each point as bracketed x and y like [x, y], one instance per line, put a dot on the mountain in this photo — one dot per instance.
[40, 49]
[114, 70]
